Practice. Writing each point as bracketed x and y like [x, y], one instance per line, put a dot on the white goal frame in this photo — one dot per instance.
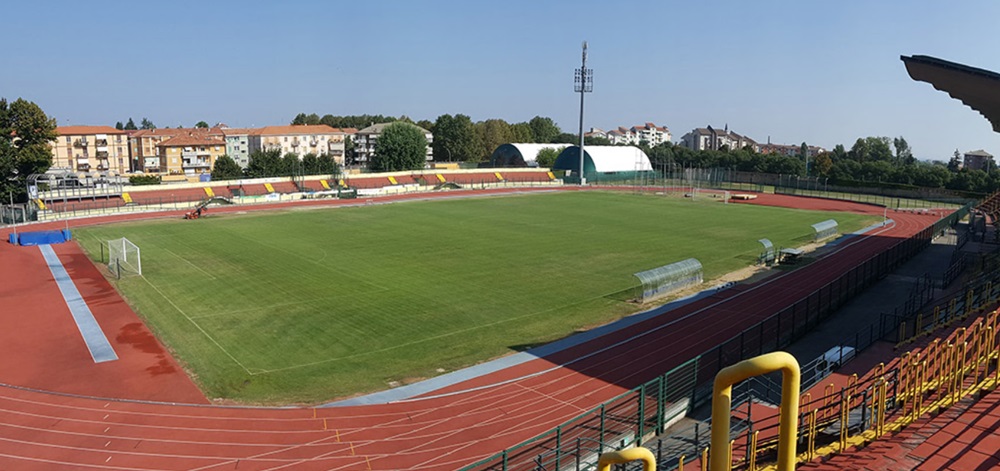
[124, 257]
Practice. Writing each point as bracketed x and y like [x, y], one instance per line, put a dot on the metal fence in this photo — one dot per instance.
[59, 209]
[672, 178]
[625, 420]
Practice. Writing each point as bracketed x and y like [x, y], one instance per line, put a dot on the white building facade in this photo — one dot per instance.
[650, 133]
[300, 140]
[365, 139]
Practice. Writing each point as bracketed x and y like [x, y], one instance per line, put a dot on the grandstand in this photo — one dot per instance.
[58, 204]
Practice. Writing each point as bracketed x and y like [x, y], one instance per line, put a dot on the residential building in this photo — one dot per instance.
[238, 144]
[596, 132]
[190, 154]
[300, 140]
[649, 132]
[145, 143]
[978, 160]
[790, 150]
[713, 139]
[365, 139]
[91, 149]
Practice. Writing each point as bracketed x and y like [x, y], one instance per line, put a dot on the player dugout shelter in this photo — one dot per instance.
[519, 155]
[604, 163]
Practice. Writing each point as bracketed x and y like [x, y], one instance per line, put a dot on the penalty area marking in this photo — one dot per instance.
[200, 329]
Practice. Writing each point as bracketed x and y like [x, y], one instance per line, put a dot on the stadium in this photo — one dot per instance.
[494, 323]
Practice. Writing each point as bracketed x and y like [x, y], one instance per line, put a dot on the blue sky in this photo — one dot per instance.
[819, 72]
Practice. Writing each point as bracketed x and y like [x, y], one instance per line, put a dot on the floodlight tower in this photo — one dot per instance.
[583, 82]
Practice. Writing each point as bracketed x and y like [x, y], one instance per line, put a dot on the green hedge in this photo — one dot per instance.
[144, 180]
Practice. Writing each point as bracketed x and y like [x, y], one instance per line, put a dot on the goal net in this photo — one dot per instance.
[124, 257]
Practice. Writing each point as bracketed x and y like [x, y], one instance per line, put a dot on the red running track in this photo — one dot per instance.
[445, 430]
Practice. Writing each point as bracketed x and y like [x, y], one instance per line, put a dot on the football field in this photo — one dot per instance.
[311, 305]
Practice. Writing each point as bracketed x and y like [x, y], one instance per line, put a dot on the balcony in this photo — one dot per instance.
[314, 143]
[103, 166]
[80, 143]
[101, 143]
[196, 164]
[194, 154]
[295, 143]
[82, 167]
[102, 154]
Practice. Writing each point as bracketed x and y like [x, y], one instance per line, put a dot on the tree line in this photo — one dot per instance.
[26, 134]
[270, 163]
[871, 161]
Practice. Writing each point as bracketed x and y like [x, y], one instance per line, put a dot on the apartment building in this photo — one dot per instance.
[649, 132]
[238, 144]
[978, 160]
[709, 138]
[145, 144]
[365, 139]
[300, 140]
[790, 150]
[91, 149]
[190, 154]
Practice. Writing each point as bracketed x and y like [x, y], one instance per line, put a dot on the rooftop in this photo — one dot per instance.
[86, 130]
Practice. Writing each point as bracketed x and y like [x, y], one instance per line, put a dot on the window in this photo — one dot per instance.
[69, 139]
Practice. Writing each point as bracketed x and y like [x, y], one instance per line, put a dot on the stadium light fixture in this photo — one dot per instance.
[583, 82]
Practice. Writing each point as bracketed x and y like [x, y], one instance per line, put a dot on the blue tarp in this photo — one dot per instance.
[41, 237]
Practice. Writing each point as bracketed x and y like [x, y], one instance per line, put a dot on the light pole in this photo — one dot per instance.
[583, 82]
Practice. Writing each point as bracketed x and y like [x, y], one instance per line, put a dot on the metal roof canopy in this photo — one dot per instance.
[978, 88]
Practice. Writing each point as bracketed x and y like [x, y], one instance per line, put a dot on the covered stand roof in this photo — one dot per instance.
[604, 159]
[979, 89]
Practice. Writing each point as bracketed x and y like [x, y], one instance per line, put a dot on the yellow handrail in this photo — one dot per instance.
[625, 456]
[788, 424]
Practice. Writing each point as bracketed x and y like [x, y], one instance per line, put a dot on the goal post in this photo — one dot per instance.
[124, 257]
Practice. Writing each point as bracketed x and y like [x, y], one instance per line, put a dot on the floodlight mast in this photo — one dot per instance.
[583, 83]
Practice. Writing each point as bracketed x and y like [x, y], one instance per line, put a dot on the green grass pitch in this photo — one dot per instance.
[306, 306]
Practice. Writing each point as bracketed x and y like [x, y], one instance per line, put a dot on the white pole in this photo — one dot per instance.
[12, 219]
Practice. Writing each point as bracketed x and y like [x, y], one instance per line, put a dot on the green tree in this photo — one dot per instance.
[264, 163]
[25, 136]
[303, 118]
[226, 168]
[290, 165]
[426, 124]
[521, 132]
[119, 126]
[201, 125]
[547, 156]
[310, 164]
[955, 163]
[325, 165]
[130, 125]
[401, 146]
[490, 134]
[349, 155]
[823, 164]
[904, 155]
[146, 124]
[454, 138]
[543, 130]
